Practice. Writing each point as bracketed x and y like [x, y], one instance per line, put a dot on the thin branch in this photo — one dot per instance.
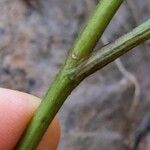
[136, 16]
[131, 114]
[63, 85]
[93, 31]
[112, 51]
[68, 79]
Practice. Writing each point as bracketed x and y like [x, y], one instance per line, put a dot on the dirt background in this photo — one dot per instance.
[35, 36]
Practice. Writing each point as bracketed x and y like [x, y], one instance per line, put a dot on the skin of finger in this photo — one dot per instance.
[16, 110]
[51, 138]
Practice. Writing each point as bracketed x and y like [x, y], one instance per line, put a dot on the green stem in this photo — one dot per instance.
[112, 51]
[92, 32]
[63, 84]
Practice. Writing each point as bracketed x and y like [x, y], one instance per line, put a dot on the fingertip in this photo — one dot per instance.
[16, 110]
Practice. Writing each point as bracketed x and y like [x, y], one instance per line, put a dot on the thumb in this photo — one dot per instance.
[16, 110]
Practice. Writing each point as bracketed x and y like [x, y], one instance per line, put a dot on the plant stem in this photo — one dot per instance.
[63, 84]
[92, 32]
[112, 51]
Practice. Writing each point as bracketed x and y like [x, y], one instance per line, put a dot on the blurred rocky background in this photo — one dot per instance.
[35, 36]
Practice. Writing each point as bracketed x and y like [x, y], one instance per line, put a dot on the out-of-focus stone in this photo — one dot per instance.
[34, 41]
